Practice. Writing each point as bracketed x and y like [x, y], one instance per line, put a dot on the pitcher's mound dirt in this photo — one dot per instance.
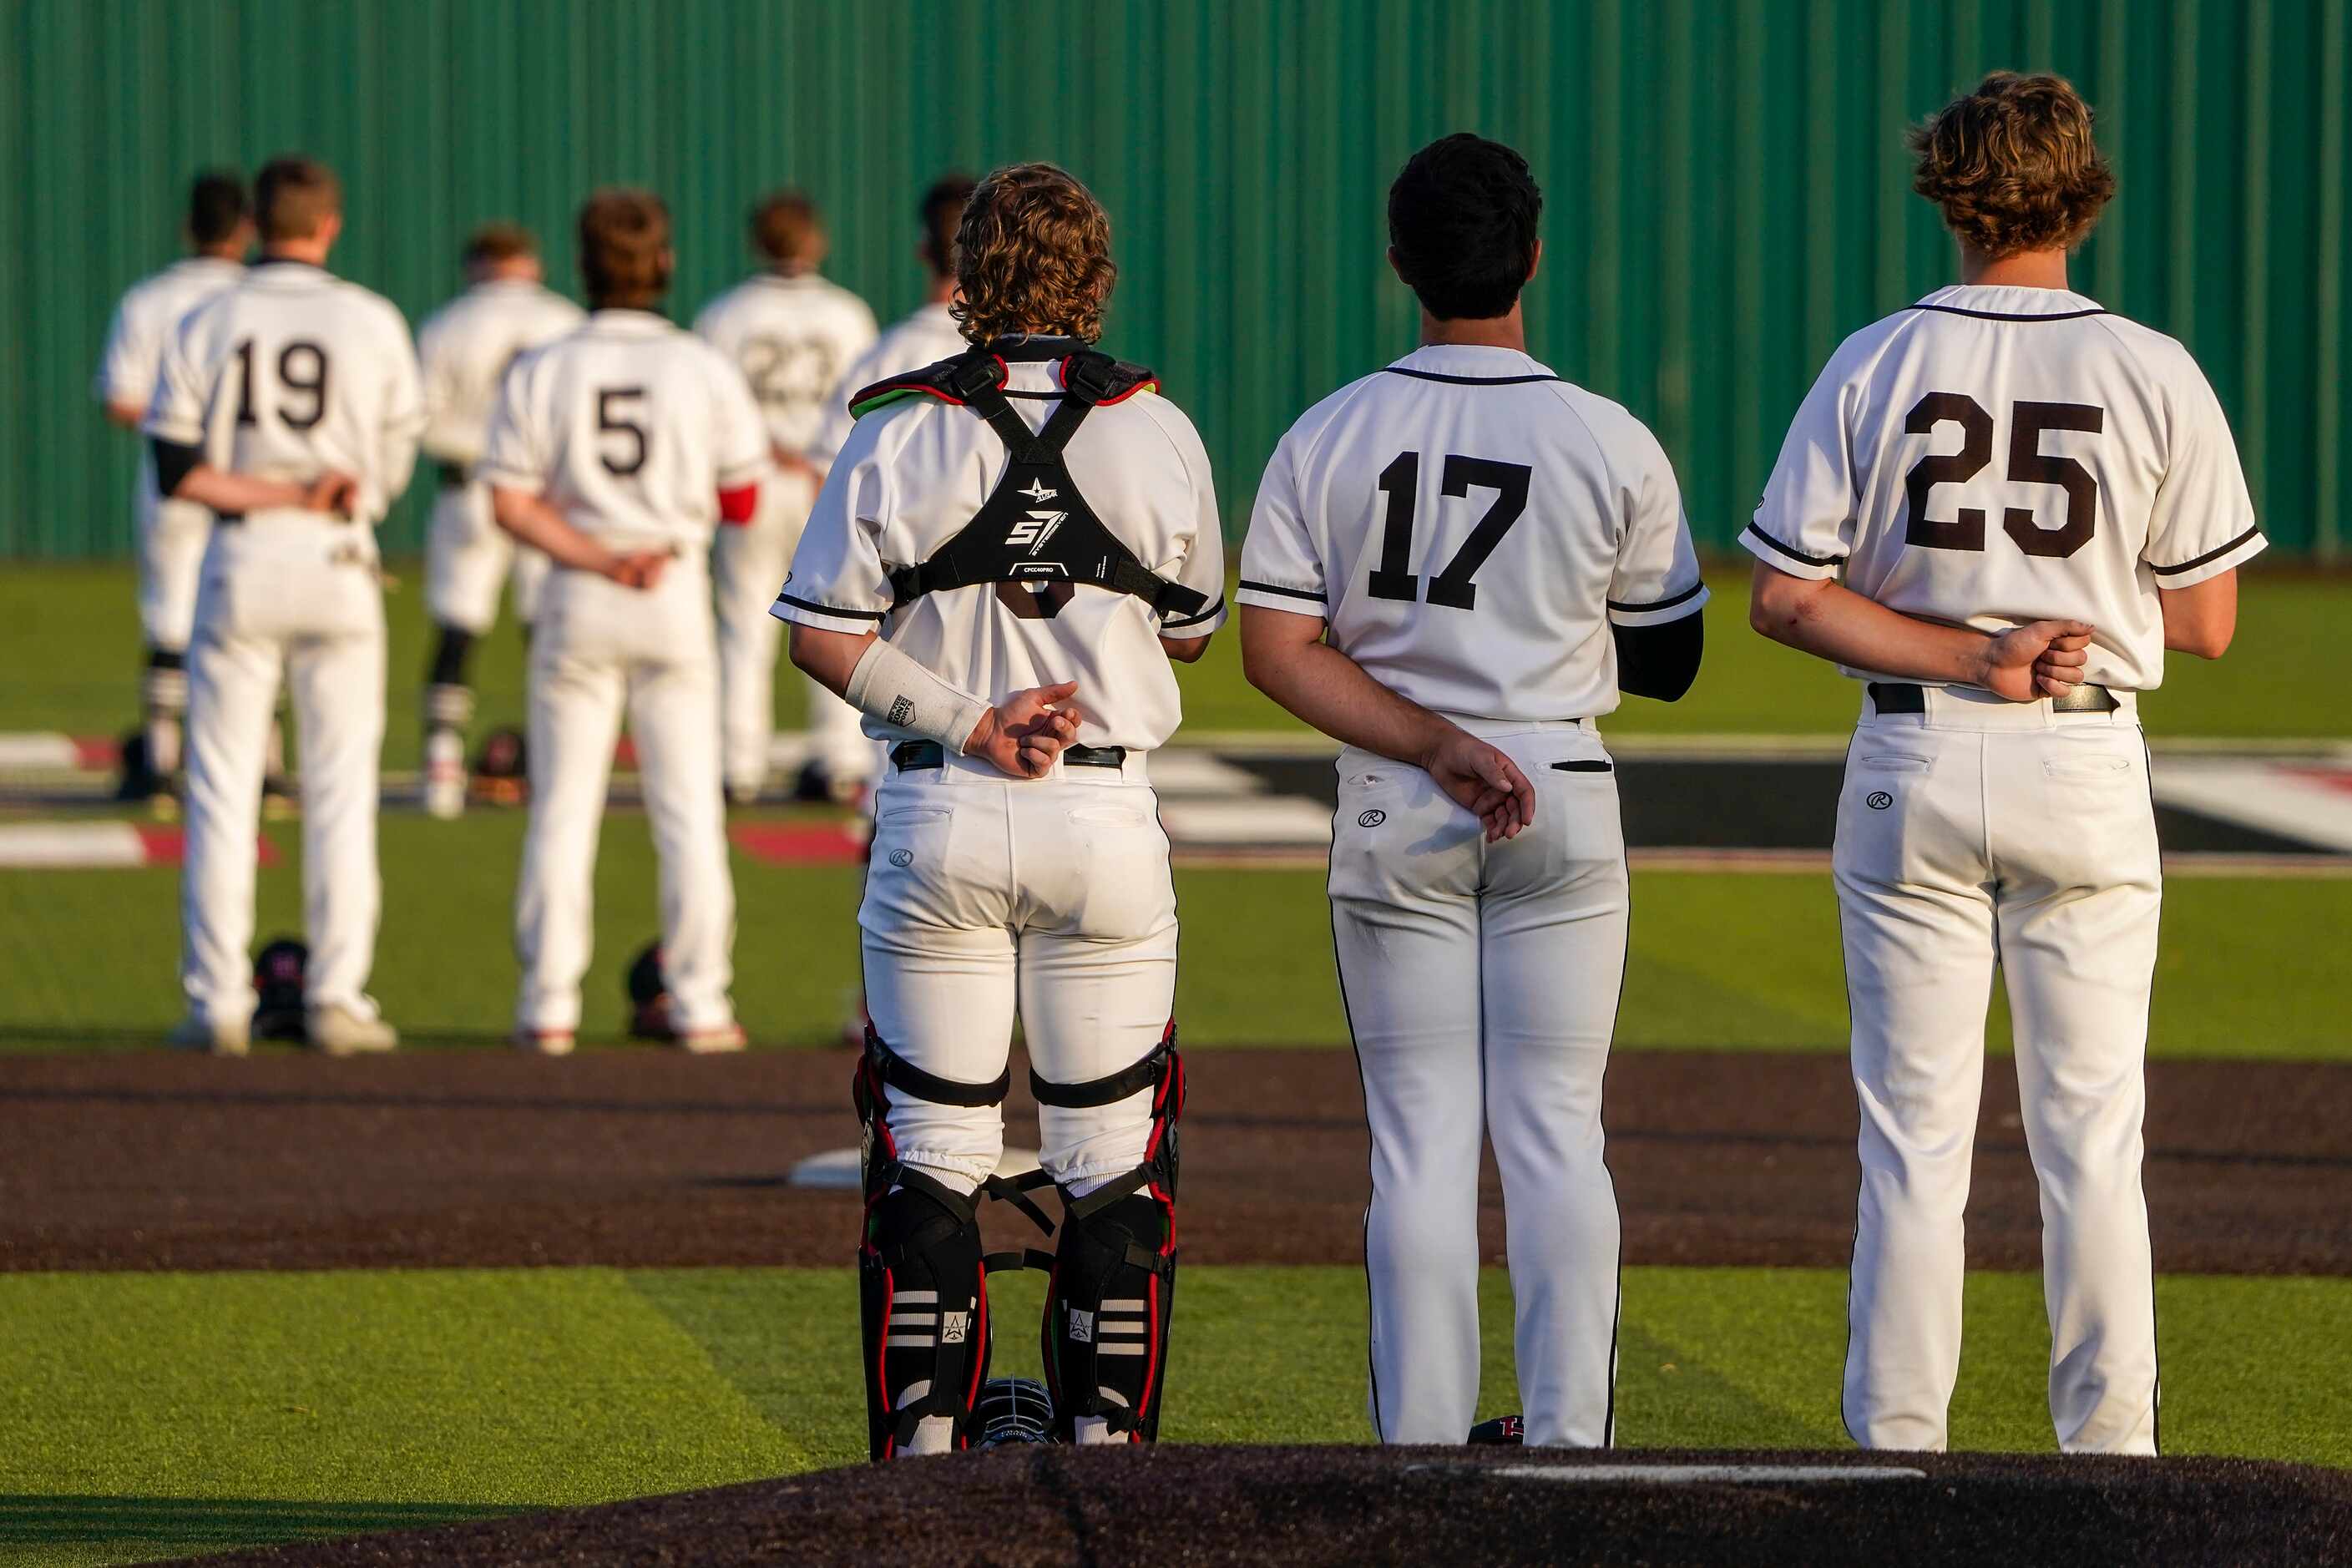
[1303, 1507]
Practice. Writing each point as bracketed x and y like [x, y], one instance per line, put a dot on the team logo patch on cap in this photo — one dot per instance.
[1371, 819]
[1879, 800]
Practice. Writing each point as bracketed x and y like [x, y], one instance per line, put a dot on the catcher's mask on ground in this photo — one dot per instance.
[277, 990]
[649, 1016]
[1012, 1410]
[501, 772]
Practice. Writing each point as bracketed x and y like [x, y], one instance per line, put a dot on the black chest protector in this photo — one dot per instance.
[1035, 536]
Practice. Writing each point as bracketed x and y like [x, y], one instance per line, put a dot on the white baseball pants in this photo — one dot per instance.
[1982, 833]
[291, 591]
[469, 558]
[751, 563]
[1049, 896]
[1481, 983]
[173, 535]
[599, 648]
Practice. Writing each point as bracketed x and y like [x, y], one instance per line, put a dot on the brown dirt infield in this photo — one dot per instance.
[646, 1158]
[1304, 1507]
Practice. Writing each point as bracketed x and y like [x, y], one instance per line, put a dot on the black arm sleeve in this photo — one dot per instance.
[173, 463]
[1659, 661]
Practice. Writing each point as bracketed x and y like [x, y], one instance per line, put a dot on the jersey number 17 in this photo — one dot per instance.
[1401, 482]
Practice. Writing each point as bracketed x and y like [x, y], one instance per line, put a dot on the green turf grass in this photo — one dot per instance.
[144, 1415]
[1719, 959]
[70, 638]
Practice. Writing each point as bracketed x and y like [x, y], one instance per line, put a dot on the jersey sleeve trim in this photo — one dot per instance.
[1675, 607]
[826, 618]
[1795, 563]
[1214, 614]
[509, 478]
[2213, 562]
[2209, 555]
[1249, 588]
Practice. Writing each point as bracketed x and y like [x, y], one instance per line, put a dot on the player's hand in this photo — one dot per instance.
[2038, 659]
[793, 466]
[1023, 734]
[638, 569]
[1484, 782]
[333, 491]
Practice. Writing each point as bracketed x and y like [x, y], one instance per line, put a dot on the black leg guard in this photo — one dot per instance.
[924, 1294]
[922, 1280]
[1114, 1284]
[449, 657]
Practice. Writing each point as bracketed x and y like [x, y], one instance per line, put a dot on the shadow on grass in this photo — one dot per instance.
[60, 1520]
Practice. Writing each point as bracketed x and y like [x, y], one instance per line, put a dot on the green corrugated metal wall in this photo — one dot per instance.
[1725, 189]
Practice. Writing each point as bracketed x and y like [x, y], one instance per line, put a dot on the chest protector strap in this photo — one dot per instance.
[1035, 528]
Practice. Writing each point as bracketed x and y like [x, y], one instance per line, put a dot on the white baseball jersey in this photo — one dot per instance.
[913, 474]
[466, 348]
[292, 373]
[1993, 456]
[151, 311]
[1469, 524]
[630, 427]
[791, 337]
[926, 337]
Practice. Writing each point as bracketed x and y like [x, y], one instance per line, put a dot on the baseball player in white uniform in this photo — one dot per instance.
[291, 405]
[1454, 566]
[617, 451]
[1008, 552]
[842, 760]
[791, 331]
[172, 533]
[465, 348]
[1998, 508]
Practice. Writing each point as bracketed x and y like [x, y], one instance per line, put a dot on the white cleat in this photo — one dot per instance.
[336, 1030]
[229, 1037]
[544, 1042]
[445, 795]
[713, 1042]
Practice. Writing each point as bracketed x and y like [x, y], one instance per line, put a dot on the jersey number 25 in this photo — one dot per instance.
[1401, 482]
[2028, 463]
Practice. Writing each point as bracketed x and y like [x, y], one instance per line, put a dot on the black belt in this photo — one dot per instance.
[914, 756]
[1902, 697]
[453, 476]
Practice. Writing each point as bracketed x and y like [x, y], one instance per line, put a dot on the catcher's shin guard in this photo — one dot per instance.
[1114, 1284]
[922, 1278]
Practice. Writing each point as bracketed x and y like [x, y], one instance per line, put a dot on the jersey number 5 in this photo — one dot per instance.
[1453, 588]
[2028, 463]
[609, 422]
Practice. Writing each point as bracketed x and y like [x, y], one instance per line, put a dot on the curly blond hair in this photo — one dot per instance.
[2013, 167]
[1032, 254]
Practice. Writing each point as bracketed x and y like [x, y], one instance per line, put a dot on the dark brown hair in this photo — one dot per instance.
[624, 257]
[1032, 254]
[1463, 215]
[2013, 167]
[293, 196]
[496, 242]
[216, 206]
[941, 212]
[787, 227]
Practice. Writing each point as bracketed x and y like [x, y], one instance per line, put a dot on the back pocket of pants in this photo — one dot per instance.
[1585, 765]
[2097, 765]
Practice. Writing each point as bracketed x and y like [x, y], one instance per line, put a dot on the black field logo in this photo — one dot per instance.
[902, 858]
[1371, 819]
[1879, 800]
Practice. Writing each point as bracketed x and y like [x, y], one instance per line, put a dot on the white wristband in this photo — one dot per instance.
[904, 695]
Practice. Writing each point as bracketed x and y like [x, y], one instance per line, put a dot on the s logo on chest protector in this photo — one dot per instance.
[1035, 528]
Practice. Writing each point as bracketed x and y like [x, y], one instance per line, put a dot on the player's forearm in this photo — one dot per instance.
[533, 521]
[1331, 692]
[234, 494]
[1832, 622]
